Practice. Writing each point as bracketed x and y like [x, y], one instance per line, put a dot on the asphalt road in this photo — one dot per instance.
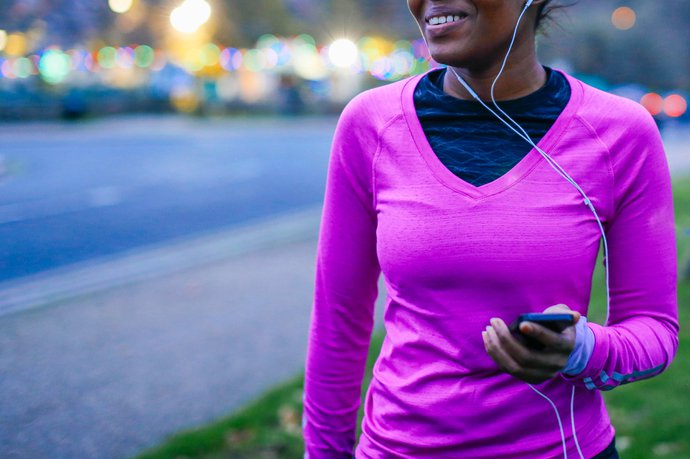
[73, 192]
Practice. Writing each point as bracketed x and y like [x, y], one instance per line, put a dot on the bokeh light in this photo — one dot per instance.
[343, 53]
[120, 6]
[54, 66]
[623, 18]
[23, 67]
[125, 58]
[3, 39]
[190, 15]
[6, 69]
[143, 56]
[306, 61]
[653, 102]
[107, 57]
[210, 54]
[16, 44]
[675, 105]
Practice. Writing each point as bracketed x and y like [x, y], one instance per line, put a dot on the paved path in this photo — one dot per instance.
[110, 373]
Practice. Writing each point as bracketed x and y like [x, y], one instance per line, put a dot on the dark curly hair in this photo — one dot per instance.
[546, 9]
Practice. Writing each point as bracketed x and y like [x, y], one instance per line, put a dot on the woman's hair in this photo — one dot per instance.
[546, 9]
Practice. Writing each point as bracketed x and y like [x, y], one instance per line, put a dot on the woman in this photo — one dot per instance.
[471, 226]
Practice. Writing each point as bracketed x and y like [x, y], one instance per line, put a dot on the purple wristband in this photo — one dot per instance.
[584, 346]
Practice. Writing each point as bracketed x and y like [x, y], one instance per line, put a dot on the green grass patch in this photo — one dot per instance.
[652, 417]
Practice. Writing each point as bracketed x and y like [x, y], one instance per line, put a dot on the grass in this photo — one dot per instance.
[652, 417]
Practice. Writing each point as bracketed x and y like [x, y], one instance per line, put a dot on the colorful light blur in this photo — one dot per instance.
[675, 105]
[653, 102]
[190, 16]
[120, 6]
[210, 54]
[184, 99]
[54, 66]
[16, 44]
[343, 53]
[3, 39]
[23, 67]
[299, 55]
[107, 57]
[247, 74]
[623, 18]
[144, 56]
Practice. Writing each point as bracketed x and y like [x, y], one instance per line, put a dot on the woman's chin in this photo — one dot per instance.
[447, 58]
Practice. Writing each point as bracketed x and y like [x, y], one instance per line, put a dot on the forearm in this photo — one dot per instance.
[638, 348]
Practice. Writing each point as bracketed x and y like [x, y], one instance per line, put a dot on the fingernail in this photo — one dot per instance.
[527, 327]
[494, 321]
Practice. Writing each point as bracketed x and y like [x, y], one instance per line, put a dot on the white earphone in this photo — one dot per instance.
[525, 136]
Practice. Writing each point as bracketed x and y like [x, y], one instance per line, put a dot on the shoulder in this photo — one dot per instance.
[612, 117]
[372, 109]
[626, 129]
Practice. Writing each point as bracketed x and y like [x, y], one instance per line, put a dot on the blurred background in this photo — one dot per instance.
[162, 169]
[73, 59]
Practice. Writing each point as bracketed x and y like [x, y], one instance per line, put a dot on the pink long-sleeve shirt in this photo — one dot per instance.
[454, 255]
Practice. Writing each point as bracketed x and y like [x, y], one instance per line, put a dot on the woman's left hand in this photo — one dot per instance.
[526, 364]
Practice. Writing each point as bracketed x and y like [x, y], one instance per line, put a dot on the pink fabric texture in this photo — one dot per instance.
[454, 255]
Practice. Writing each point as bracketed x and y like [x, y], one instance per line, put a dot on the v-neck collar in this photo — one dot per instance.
[515, 174]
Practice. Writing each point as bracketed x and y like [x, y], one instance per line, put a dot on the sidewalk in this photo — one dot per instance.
[111, 372]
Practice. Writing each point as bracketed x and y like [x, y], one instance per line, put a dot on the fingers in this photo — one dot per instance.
[526, 364]
[525, 357]
[497, 353]
[559, 342]
[507, 364]
[562, 309]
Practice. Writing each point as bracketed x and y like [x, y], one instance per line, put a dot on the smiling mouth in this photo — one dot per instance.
[445, 19]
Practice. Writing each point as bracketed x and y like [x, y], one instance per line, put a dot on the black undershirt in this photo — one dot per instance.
[474, 144]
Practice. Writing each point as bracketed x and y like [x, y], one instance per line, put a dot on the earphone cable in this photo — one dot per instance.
[525, 136]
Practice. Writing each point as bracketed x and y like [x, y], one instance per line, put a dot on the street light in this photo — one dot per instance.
[190, 15]
[120, 6]
[343, 53]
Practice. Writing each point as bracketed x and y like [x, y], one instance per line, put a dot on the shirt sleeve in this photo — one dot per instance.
[346, 288]
[641, 337]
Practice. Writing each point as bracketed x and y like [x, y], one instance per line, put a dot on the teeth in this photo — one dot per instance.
[443, 19]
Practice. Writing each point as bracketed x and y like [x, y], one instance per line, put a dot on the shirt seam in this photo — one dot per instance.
[379, 135]
[609, 163]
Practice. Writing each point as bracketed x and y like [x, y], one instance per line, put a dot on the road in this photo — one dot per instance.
[73, 192]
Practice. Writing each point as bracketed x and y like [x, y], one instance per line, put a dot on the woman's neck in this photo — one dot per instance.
[521, 76]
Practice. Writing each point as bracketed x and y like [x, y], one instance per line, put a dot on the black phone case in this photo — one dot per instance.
[556, 324]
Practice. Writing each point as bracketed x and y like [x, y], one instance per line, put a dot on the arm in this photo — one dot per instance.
[346, 287]
[641, 337]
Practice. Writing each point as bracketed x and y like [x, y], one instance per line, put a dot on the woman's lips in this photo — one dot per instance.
[436, 30]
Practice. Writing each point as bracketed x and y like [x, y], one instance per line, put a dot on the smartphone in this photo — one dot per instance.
[555, 322]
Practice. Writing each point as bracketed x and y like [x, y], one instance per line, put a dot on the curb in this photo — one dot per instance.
[154, 261]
